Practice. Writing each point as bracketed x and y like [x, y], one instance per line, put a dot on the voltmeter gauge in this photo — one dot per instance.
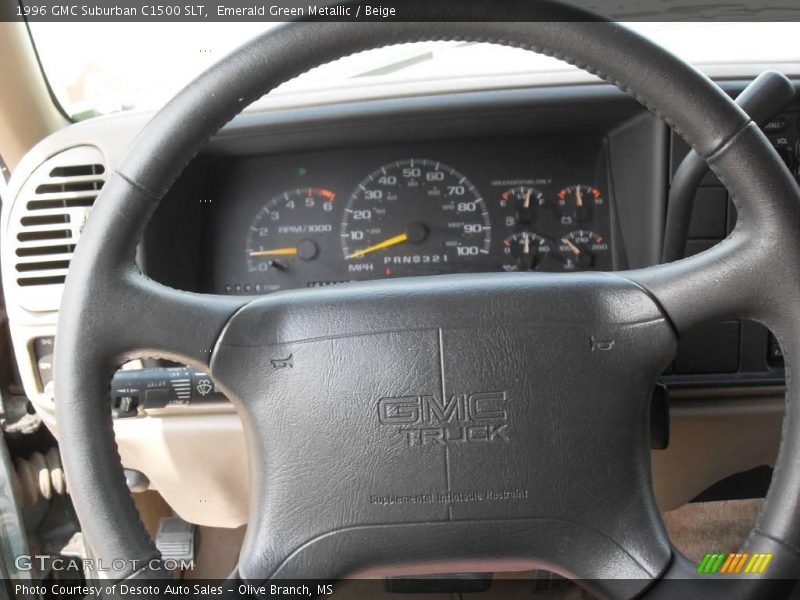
[576, 203]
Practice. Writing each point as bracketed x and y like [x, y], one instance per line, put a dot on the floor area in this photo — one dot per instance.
[695, 529]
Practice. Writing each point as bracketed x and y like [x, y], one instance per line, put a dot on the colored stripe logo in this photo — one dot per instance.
[733, 563]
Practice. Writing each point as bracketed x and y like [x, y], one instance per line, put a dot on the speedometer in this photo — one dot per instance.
[414, 217]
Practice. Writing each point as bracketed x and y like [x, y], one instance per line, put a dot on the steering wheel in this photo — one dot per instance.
[426, 425]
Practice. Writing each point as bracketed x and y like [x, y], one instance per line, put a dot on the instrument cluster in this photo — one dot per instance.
[466, 207]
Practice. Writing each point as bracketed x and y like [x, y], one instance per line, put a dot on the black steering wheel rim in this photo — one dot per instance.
[739, 278]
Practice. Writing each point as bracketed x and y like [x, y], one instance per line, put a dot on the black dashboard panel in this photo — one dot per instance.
[549, 138]
[544, 137]
[472, 205]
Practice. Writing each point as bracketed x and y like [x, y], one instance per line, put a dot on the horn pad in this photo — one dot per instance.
[497, 434]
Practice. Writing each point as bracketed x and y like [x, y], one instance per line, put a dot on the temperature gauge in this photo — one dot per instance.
[582, 249]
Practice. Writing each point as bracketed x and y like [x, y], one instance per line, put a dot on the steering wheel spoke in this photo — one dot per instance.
[124, 313]
[742, 276]
[706, 287]
[158, 321]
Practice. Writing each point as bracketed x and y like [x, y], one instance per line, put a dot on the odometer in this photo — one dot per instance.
[414, 217]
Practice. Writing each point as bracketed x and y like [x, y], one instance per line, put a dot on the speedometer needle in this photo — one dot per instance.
[276, 252]
[392, 241]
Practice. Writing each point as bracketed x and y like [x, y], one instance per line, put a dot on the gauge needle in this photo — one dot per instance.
[526, 246]
[573, 248]
[276, 252]
[578, 196]
[392, 241]
[527, 203]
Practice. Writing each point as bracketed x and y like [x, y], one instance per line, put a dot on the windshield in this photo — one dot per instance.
[97, 69]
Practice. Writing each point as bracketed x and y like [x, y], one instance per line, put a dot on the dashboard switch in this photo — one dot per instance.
[776, 125]
[125, 406]
[43, 353]
[774, 353]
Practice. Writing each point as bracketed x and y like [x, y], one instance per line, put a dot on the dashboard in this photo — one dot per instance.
[468, 206]
[466, 184]
[552, 179]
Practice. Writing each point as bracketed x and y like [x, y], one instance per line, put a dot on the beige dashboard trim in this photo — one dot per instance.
[715, 433]
[197, 462]
[27, 112]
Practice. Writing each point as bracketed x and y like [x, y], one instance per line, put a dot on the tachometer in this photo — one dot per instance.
[414, 217]
[287, 237]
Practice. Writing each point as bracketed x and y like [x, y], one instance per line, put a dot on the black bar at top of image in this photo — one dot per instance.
[150, 11]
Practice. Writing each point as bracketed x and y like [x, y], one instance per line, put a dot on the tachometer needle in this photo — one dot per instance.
[276, 252]
[392, 241]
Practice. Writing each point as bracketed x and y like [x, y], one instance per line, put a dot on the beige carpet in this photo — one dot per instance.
[710, 526]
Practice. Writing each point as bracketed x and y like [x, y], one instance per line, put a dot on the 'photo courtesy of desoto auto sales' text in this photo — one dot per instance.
[400, 299]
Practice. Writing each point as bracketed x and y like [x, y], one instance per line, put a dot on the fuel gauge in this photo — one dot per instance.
[521, 203]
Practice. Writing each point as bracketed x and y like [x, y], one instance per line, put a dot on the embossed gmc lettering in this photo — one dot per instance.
[461, 418]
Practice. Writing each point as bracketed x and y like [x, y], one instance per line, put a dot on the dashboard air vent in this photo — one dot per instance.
[48, 216]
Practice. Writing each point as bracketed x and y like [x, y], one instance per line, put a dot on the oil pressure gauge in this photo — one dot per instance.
[528, 251]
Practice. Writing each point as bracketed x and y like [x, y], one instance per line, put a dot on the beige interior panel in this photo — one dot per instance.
[217, 553]
[198, 462]
[28, 113]
[152, 508]
[714, 437]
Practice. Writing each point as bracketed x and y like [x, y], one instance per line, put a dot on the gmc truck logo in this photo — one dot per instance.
[461, 418]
